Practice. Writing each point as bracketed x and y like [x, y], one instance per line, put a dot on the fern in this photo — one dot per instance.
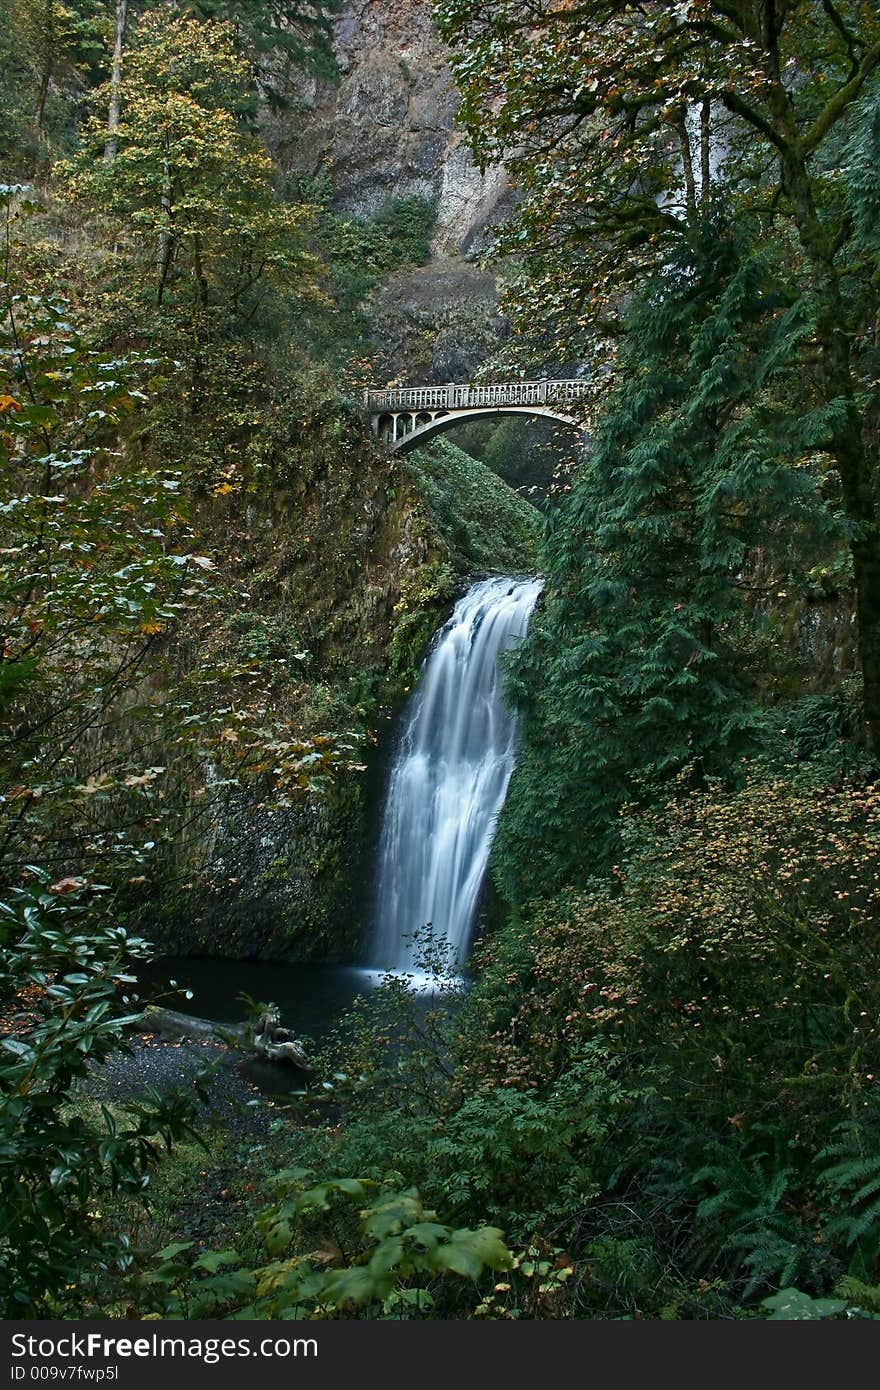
[853, 1188]
[755, 1219]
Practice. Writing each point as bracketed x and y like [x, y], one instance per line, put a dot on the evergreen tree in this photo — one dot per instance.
[634, 669]
[296, 32]
[49, 53]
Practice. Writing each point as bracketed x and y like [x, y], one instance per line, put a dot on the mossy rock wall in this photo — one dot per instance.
[335, 577]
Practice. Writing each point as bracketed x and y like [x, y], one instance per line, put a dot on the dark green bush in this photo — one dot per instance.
[67, 997]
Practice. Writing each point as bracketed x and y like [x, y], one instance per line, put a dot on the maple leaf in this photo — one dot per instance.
[143, 779]
[67, 885]
[94, 785]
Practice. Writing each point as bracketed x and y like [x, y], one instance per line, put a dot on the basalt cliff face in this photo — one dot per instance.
[349, 559]
[385, 128]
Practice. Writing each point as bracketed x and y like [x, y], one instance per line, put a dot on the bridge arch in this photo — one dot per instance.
[405, 417]
[425, 429]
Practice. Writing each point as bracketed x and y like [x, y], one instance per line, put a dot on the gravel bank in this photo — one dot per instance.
[237, 1089]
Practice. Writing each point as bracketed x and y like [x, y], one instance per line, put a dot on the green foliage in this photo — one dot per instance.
[630, 132]
[863, 1299]
[661, 1086]
[861, 183]
[189, 186]
[97, 564]
[55, 52]
[49, 51]
[360, 252]
[821, 729]
[729, 967]
[735, 910]
[486, 525]
[426, 596]
[632, 669]
[277, 35]
[391, 1050]
[612, 120]
[396, 1248]
[850, 1184]
[534, 1287]
[66, 998]
[752, 1204]
[480, 524]
[793, 1305]
[525, 452]
[126, 712]
[526, 1157]
[651, 1083]
[523, 1155]
[408, 225]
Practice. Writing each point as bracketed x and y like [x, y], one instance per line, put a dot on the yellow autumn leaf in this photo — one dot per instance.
[145, 778]
[18, 793]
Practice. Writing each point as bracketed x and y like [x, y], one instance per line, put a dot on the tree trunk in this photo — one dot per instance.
[201, 277]
[687, 164]
[165, 246]
[48, 62]
[41, 100]
[44, 92]
[116, 82]
[705, 150]
[847, 444]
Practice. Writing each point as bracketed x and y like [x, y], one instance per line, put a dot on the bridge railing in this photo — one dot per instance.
[452, 397]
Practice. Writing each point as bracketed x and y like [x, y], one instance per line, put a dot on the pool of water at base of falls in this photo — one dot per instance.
[311, 998]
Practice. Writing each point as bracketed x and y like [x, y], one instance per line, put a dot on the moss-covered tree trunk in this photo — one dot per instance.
[847, 445]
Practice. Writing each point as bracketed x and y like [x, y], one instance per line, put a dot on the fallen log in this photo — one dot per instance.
[269, 1041]
[168, 1023]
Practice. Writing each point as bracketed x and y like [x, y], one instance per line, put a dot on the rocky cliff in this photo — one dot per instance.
[385, 127]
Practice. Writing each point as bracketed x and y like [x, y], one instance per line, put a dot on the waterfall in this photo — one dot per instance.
[449, 777]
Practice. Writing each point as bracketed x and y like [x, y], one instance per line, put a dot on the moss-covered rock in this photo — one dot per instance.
[484, 523]
[334, 574]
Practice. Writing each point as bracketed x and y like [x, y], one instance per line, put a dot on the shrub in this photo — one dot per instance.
[395, 1250]
[731, 967]
[66, 999]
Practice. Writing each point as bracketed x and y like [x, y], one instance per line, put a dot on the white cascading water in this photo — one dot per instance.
[449, 777]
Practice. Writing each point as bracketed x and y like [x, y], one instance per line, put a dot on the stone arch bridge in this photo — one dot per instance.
[404, 417]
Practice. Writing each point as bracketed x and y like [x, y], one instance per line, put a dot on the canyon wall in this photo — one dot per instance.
[385, 127]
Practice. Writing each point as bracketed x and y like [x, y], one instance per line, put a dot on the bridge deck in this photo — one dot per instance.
[466, 397]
